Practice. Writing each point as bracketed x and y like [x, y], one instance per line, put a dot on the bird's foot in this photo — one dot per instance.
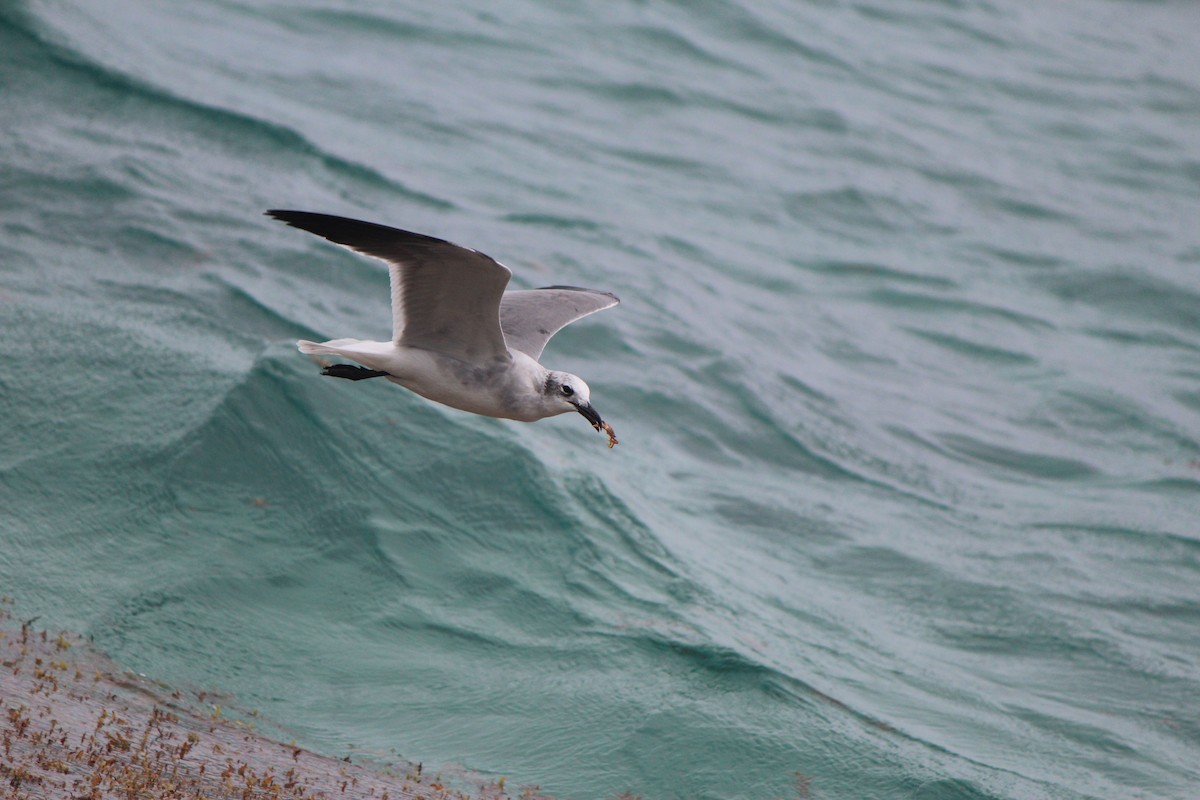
[351, 373]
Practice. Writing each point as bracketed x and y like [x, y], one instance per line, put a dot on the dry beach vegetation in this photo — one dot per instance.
[75, 725]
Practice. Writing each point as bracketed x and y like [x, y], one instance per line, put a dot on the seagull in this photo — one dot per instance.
[458, 338]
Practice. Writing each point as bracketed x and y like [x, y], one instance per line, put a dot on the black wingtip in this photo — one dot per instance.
[354, 233]
[293, 218]
[288, 216]
[368, 237]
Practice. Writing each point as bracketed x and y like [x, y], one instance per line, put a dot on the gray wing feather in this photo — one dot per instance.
[529, 318]
[445, 297]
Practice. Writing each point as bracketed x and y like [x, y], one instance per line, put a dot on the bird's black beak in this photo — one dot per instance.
[590, 414]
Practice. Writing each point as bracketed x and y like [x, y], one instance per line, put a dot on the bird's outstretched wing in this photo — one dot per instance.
[529, 318]
[445, 297]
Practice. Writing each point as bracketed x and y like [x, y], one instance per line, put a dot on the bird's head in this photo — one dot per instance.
[565, 392]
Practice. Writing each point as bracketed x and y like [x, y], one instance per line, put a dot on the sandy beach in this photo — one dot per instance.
[76, 725]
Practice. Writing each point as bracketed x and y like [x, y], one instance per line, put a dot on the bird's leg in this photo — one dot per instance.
[351, 373]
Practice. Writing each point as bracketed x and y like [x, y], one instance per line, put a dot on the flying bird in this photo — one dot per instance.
[458, 338]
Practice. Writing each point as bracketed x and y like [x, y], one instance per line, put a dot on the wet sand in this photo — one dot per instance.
[75, 725]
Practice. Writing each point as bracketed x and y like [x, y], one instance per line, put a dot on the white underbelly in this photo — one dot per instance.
[501, 388]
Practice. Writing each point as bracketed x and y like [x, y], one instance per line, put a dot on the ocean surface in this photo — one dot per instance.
[906, 376]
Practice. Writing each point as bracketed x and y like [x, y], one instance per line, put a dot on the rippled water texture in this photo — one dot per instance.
[905, 376]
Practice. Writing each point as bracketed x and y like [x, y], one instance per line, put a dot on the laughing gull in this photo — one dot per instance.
[457, 337]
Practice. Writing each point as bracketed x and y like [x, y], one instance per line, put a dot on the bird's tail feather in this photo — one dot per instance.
[333, 347]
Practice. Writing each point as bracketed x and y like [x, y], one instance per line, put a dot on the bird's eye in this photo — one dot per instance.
[567, 390]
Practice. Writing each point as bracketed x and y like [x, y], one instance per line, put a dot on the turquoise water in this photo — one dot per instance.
[906, 377]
